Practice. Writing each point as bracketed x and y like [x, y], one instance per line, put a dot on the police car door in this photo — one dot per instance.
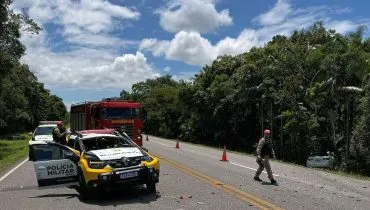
[54, 164]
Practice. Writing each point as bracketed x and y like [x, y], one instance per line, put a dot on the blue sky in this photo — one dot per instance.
[90, 49]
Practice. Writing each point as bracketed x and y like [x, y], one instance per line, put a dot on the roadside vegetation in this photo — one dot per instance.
[12, 150]
[311, 89]
[23, 100]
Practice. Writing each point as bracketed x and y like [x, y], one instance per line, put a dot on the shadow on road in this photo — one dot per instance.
[116, 197]
[269, 183]
[68, 196]
[131, 195]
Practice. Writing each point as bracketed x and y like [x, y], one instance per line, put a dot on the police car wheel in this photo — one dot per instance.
[82, 188]
[86, 191]
[93, 192]
[151, 187]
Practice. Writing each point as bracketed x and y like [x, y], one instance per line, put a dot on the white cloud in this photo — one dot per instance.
[192, 48]
[90, 60]
[189, 47]
[97, 70]
[343, 10]
[167, 69]
[233, 46]
[275, 15]
[193, 15]
[82, 22]
[157, 47]
[98, 40]
[84, 68]
[86, 14]
[344, 26]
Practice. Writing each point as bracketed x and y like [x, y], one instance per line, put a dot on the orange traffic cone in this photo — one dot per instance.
[177, 145]
[147, 138]
[224, 157]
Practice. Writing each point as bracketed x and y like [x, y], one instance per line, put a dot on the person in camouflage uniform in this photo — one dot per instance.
[60, 134]
[265, 150]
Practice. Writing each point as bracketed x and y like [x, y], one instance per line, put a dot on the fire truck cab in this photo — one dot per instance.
[121, 115]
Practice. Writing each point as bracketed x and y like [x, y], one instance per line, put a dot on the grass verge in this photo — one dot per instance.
[12, 151]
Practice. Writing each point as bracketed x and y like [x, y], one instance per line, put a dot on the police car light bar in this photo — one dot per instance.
[49, 122]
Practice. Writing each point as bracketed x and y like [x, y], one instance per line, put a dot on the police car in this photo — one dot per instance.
[44, 131]
[96, 161]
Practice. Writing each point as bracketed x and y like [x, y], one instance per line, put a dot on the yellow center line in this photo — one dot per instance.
[242, 195]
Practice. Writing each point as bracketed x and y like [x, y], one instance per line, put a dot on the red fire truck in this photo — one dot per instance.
[109, 113]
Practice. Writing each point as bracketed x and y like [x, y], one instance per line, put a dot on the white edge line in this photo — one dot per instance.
[11, 171]
[250, 168]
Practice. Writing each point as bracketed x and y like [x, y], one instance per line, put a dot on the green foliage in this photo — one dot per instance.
[359, 160]
[11, 49]
[23, 100]
[307, 88]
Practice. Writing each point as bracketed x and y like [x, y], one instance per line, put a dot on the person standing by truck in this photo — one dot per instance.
[60, 134]
[264, 152]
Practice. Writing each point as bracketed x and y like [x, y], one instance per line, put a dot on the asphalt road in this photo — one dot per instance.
[176, 190]
[190, 179]
[298, 187]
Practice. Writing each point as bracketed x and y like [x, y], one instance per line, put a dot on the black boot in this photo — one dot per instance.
[257, 179]
[273, 181]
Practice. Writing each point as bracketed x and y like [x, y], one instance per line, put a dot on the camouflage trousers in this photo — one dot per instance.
[264, 163]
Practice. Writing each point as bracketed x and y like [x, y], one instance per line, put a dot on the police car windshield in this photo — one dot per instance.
[97, 143]
[44, 131]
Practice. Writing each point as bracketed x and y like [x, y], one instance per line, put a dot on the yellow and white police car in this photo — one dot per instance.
[95, 160]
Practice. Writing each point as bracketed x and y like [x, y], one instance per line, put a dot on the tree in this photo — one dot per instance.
[23, 100]
[308, 88]
[11, 49]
